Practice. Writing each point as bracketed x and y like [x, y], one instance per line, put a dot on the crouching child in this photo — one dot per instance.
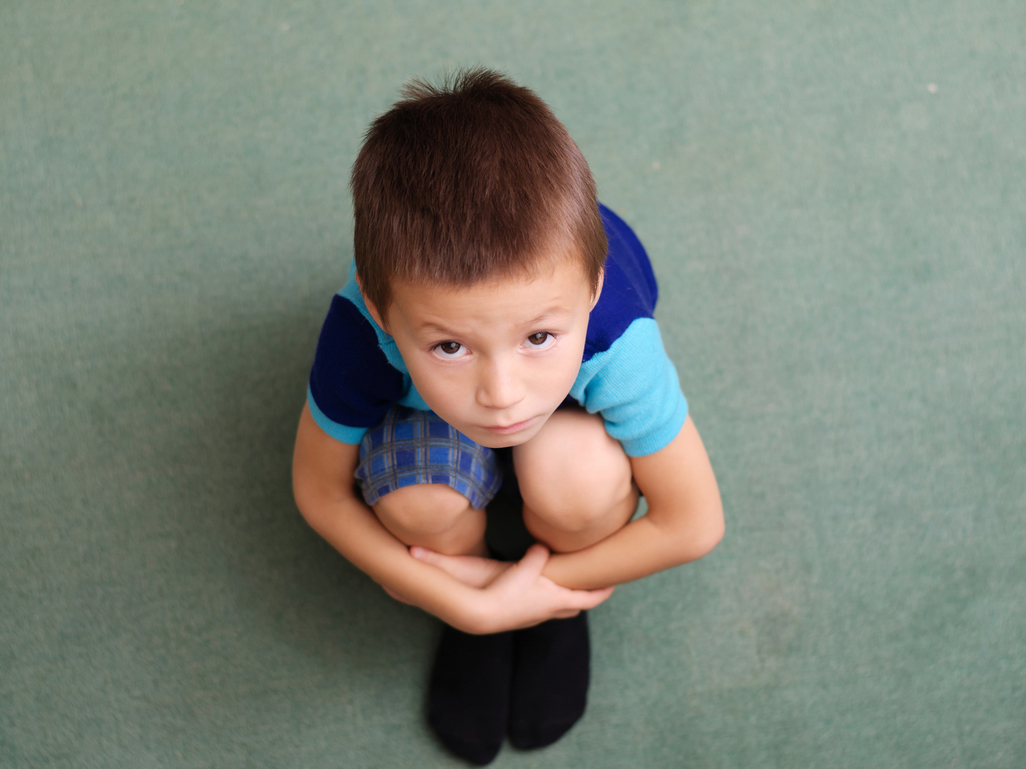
[495, 342]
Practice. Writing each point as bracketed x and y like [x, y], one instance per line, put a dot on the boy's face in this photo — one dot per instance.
[495, 359]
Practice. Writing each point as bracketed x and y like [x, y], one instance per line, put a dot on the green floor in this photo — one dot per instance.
[834, 197]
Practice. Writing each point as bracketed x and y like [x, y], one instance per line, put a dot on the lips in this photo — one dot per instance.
[510, 429]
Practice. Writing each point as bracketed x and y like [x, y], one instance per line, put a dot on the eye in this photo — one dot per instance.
[540, 340]
[450, 350]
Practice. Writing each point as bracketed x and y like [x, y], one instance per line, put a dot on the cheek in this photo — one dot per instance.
[426, 385]
[553, 385]
[571, 362]
[440, 389]
[569, 374]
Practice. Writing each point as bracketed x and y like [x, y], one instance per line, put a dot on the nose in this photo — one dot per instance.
[499, 386]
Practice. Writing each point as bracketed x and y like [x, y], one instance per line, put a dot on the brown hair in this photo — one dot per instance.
[467, 181]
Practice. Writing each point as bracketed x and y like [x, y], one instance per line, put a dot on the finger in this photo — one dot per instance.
[423, 554]
[567, 614]
[395, 595]
[449, 563]
[592, 598]
[534, 559]
[581, 600]
[471, 570]
[453, 565]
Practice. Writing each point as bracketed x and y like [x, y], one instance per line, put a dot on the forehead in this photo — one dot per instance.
[549, 289]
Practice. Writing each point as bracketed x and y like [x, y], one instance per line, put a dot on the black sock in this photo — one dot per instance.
[468, 697]
[550, 681]
[506, 535]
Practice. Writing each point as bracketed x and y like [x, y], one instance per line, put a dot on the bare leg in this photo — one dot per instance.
[576, 482]
[433, 516]
[578, 489]
[468, 695]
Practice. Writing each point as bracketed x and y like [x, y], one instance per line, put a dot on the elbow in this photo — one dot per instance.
[308, 512]
[715, 527]
[713, 535]
[699, 541]
[301, 494]
[310, 504]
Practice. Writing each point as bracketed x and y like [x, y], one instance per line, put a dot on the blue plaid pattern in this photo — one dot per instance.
[412, 447]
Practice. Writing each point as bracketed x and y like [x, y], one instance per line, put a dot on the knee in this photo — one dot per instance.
[576, 480]
[576, 507]
[425, 510]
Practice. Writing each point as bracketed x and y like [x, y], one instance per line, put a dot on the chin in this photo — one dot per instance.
[493, 441]
[502, 441]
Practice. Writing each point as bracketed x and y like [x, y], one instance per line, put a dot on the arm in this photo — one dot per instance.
[684, 520]
[322, 477]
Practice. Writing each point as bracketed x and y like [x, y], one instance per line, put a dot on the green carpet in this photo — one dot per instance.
[834, 198]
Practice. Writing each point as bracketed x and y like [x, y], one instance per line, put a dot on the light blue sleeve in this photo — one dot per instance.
[634, 386]
[339, 432]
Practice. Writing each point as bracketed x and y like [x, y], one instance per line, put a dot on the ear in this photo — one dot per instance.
[598, 289]
[372, 308]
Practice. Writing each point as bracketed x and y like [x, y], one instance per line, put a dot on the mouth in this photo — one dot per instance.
[510, 429]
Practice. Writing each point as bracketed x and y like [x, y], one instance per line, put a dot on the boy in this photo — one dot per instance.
[497, 326]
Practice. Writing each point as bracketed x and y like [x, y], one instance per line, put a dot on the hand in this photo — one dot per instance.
[513, 595]
[472, 571]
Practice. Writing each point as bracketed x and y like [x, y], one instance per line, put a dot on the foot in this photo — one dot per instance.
[550, 681]
[468, 697]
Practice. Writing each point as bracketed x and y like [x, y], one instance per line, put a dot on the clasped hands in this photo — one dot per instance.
[510, 595]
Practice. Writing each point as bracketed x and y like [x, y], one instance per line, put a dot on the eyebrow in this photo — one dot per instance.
[433, 329]
[551, 311]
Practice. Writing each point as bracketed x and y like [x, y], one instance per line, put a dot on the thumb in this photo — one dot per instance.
[534, 559]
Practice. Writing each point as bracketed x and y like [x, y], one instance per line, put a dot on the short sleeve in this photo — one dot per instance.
[634, 386]
[352, 384]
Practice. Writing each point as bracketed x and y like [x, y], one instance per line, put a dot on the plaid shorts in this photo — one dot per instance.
[411, 447]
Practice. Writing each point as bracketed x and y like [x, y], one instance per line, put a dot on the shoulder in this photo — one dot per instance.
[353, 381]
[626, 375]
[348, 328]
[629, 289]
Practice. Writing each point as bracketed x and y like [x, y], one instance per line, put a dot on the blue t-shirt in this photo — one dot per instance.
[625, 375]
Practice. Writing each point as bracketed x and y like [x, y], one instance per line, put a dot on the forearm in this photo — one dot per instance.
[352, 528]
[640, 548]
[684, 521]
[494, 598]
[322, 481]
[498, 597]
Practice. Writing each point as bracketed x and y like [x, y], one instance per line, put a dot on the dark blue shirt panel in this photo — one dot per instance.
[629, 291]
[355, 395]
